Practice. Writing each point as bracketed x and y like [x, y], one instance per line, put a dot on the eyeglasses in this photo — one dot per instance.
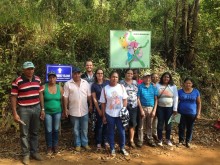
[99, 73]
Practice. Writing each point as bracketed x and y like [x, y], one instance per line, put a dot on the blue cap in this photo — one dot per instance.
[51, 73]
[75, 69]
[28, 64]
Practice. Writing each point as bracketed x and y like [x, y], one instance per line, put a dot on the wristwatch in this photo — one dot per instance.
[42, 109]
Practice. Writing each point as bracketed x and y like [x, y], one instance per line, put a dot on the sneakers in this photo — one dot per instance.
[169, 143]
[99, 146]
[124, 152]
[113, 153]
[26, 160]
[37, 156]
[78, 148]
[160, 143]
[132, 144]
[181, 143]
[87, 148]
[188, 145]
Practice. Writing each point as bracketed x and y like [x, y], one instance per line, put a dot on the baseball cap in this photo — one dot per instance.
[146, 74]
[28, 64]
[51, 73]
[75, 69]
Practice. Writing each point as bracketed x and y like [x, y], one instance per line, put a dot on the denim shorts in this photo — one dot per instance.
[133, 116]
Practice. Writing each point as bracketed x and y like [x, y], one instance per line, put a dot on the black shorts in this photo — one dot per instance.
[132, 115]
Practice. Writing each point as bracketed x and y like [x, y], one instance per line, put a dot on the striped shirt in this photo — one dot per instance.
[27, 92]
[147, 95]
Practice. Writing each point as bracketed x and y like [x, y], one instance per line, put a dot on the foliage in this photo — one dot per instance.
[69, 32]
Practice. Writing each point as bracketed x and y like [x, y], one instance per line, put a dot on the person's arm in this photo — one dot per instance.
[65, 100]
[42, 113]
[95, 101]
[142, 114]
[90, 103]
[155, 107]
[175, 99]
[14, 111]
[61, 97]
[125, 96]
[103, 101]
[103, 107]
[199, 106]
[65, 109]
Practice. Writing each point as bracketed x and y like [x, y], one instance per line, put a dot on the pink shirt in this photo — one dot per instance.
[77, 97]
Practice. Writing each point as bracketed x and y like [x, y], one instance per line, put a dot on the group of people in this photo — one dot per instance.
[142, 104]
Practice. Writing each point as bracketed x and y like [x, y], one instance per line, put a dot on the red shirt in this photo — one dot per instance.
[27, 92]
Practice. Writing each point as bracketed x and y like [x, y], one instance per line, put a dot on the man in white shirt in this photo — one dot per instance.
[77, 93]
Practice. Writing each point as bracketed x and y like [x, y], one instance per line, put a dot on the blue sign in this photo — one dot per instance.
[63, 72]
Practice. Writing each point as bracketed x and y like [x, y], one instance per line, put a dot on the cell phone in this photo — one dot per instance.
[23, 123]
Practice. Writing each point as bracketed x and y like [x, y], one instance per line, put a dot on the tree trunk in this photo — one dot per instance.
[166, 36]
[192, 38]
[175, 33]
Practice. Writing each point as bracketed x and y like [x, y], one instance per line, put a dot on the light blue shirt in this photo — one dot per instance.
[147, 95]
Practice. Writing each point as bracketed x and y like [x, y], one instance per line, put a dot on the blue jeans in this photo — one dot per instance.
[100, 130]
[52, 125]
[111, 122]
[80, 130]
[163, 115]
[186, 121]
[30, 115]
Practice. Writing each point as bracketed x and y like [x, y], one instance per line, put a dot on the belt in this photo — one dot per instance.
[29, 106]
[147, 106]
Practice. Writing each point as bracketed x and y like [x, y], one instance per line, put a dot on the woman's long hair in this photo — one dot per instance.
[95, 78]
[171, 79]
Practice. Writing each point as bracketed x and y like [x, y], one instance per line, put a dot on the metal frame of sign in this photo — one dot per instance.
[63, 72]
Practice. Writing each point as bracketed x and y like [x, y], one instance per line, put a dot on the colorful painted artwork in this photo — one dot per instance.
[130, 49]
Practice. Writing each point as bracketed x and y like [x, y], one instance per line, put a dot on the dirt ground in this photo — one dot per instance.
[205, 150]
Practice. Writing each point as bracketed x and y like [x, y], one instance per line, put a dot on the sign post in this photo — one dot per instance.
[63, 72]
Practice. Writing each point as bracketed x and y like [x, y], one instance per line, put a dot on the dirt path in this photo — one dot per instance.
[160, 155]
[205, 151]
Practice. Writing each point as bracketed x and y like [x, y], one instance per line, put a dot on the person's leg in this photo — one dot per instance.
[121, 132]
[56, 126]
[149, 121]
[132, 123]
[160, 117]
[105, 134]
[111, 131]
[141, 129]
[154, 127]
[168, 114]
[76, 130]
[98, 129]
[84, 129]
[34, 129]
[25, 116]
[190, 119]
[48, 131]
[182, 126]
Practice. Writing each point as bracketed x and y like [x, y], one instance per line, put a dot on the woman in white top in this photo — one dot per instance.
[167, 105]
[113, 99]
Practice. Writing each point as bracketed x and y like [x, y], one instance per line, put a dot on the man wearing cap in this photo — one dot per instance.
[77, 93]
[27, 93]
[147, 98]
